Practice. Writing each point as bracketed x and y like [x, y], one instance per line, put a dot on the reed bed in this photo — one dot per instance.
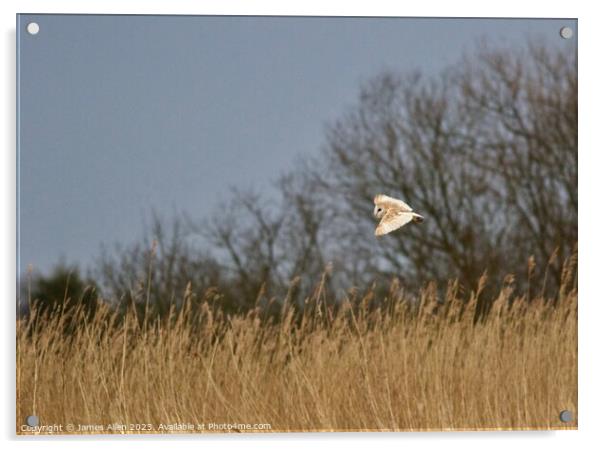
[369, 363]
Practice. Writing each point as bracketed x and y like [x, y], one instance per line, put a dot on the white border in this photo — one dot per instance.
[590, 150]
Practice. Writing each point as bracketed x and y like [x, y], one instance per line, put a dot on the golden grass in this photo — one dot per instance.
[396, 367]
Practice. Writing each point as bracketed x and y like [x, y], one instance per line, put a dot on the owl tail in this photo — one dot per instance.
[417, 218]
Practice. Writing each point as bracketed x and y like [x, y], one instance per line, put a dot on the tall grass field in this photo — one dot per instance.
[371, 362]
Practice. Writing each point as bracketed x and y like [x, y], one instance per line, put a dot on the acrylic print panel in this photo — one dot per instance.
[274, 224]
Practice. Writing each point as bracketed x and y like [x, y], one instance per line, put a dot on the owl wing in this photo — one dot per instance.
[392, 220]
[386, 202]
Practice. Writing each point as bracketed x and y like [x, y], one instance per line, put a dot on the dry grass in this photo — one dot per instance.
[391, 368]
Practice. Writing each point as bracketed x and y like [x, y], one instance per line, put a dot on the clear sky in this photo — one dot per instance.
[123, 115]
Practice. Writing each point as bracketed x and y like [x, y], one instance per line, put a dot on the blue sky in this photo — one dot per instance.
[123, 115]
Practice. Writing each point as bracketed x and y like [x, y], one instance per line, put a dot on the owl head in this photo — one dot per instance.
[379, 211]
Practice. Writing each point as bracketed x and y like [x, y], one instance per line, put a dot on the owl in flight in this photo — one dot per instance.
[393, 214]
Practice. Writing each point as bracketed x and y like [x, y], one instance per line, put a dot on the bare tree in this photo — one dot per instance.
[269, 249]
[527, 147]
[402, 140]
[159, 271]
[245, 234]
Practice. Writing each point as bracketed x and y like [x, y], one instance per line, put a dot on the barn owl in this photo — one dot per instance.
[393, 214]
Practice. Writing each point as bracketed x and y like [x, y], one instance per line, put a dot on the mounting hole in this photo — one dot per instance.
[32, 421]
[566, 416]
[566, 32]
[33, 28]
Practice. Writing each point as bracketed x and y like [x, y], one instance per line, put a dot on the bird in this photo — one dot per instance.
[393, 214]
